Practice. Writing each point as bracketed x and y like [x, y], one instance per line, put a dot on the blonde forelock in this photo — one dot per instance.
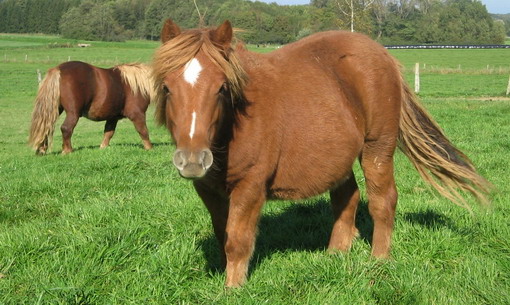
[175, 53]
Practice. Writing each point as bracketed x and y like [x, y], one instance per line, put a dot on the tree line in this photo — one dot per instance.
[388, 21]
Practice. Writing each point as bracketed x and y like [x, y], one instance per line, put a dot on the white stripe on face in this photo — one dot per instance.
[192, 71]
[193, 123]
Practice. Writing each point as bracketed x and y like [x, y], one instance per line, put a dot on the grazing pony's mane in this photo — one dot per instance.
[138, 77]
[178, 51]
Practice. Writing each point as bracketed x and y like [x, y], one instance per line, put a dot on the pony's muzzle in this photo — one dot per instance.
[193, 165]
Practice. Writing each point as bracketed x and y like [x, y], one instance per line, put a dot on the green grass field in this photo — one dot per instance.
[119, 226]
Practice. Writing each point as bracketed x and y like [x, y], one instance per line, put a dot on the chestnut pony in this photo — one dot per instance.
[95, 93]
[290, 124]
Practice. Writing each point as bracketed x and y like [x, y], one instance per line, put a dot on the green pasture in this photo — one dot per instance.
[119, 226]
[447, 73]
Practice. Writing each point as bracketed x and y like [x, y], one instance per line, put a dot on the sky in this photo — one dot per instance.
[493, 6]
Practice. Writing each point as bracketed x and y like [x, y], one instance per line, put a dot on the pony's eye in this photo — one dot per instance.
[223, 88]
[166, 90]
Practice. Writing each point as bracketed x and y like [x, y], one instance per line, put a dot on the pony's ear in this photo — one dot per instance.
[222, 36]
[170, 30]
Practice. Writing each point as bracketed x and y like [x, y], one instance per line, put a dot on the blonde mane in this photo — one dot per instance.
[139, 78]
[175, 53]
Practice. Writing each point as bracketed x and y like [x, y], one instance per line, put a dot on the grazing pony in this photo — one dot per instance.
[95, 93]
[290, 124]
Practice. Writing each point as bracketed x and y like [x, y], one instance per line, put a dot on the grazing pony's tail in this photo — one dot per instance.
[439, 163]
[45, 112]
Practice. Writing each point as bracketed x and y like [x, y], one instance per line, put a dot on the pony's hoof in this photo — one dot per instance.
[147, 145]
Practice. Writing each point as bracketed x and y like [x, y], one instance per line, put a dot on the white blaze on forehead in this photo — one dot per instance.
[193, 123]
[192, 71]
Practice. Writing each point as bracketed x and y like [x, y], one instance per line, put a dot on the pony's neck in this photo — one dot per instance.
[250, 61]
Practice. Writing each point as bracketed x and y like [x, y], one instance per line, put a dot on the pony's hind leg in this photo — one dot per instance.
[344, 202]
[377, 164]
[138, 120]
[109, 130]
[67, 129]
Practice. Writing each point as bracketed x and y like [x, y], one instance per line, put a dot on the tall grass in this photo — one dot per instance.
[118, 226]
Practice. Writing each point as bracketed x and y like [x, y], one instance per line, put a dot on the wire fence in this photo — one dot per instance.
[423, 46]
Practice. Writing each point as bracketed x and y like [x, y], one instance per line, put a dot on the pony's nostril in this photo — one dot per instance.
[179, 159]
[206, 158]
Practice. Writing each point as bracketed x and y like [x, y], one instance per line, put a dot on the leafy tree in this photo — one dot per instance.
[389, 21]
[75, 24]
[506, 21]
[319, 3]
[33, 16]
[353, 12]
[91, 21]
[130, 15]
[103, 24]
[154, 16]
[466, 21]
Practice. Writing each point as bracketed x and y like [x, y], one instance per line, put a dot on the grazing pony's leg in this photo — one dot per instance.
[67, 129]
[344, 202]
[217, 205]
[138, 119]
[246, 201]
[377, 164]
[43, 147]
[109, 130]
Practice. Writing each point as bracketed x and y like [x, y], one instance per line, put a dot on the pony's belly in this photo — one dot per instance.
[295, 192]
[98, 117]
[296, 181]
[104, 110]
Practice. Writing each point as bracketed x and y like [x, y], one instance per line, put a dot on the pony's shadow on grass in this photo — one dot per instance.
[96, 147]
[431, 220]
[301, 227]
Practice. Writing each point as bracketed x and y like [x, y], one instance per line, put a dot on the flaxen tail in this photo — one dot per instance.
[439, 162]
[45, 112]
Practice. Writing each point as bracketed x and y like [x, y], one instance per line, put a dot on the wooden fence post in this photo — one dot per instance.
[417, 78]
[508, 87]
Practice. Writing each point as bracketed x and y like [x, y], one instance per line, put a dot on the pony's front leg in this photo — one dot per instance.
[246, 201]
[217, 205]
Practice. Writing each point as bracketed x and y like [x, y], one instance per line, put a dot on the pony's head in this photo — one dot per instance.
[199, 75]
